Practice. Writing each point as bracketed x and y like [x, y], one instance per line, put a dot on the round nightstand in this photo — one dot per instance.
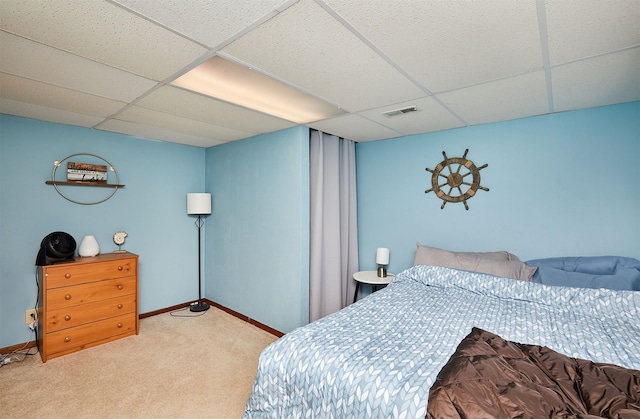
[371, 278]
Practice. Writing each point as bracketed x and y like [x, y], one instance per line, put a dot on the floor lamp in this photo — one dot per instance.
[199, 204]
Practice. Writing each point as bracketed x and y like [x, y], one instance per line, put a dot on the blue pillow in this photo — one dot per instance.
[612, 272]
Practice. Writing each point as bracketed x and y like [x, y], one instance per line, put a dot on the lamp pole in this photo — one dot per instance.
[200, 305]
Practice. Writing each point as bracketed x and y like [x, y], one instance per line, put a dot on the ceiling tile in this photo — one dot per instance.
[502, 100]
[354, 127]
[446, 45]
[156, 133]
[590, 27]
[109, 63]
[43, 113]
[307, 47]
[176, 101]
[117, 37]
[208, 22]
[32, 60]
[47, 95]
[175, 123]
[604, 80]
[431, 116]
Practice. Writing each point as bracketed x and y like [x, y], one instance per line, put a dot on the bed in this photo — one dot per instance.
[380, 357]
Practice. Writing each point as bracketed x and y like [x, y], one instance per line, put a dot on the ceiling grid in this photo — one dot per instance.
[109, 64]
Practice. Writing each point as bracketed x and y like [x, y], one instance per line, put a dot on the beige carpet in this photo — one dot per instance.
[175, 368]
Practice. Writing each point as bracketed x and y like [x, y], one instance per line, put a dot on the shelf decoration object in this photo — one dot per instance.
[458, 169]
[85, 174]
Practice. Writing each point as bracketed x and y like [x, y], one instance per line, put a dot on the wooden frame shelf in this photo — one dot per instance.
[82, 183]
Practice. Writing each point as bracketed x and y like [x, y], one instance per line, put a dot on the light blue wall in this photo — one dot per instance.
[259, 230]
[560, 185]
[151, 208]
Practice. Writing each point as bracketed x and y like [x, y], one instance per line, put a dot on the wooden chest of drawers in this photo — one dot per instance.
[86, 302]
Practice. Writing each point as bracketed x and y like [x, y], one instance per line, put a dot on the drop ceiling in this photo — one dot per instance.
[108, 64]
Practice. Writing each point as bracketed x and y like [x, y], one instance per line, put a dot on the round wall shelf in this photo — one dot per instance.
[89, 183]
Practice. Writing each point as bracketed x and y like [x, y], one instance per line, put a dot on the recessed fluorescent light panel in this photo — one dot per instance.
[237, 84]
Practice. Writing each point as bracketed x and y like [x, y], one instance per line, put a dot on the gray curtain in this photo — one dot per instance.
[333, 243]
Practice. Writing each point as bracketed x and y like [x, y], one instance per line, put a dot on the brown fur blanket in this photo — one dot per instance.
[489, 377]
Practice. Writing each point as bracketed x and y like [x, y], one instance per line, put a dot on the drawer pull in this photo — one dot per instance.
[67, 339]
[67, 297]
[120, 268]
[120, 286]
[119, 325]
[67, 275]
[67, 317]
[119, 305]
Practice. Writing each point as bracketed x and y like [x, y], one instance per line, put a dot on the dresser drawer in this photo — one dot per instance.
[79, 273]
[63, 318]
[76, 338]
[90, 292]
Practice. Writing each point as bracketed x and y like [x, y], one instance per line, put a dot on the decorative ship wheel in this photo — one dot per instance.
[459, 168]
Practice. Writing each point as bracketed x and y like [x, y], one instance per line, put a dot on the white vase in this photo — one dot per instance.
[88, 247]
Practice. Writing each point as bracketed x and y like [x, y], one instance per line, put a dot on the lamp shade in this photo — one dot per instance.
[199, 203]
[382, 256]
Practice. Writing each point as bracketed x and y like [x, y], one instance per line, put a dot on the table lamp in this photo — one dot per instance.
[382, 259]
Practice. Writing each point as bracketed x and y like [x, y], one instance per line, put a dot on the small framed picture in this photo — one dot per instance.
[86, 172]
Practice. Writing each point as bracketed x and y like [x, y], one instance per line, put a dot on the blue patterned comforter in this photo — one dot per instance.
[379, 357]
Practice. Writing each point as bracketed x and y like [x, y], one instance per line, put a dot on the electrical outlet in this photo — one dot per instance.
[27, 316]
